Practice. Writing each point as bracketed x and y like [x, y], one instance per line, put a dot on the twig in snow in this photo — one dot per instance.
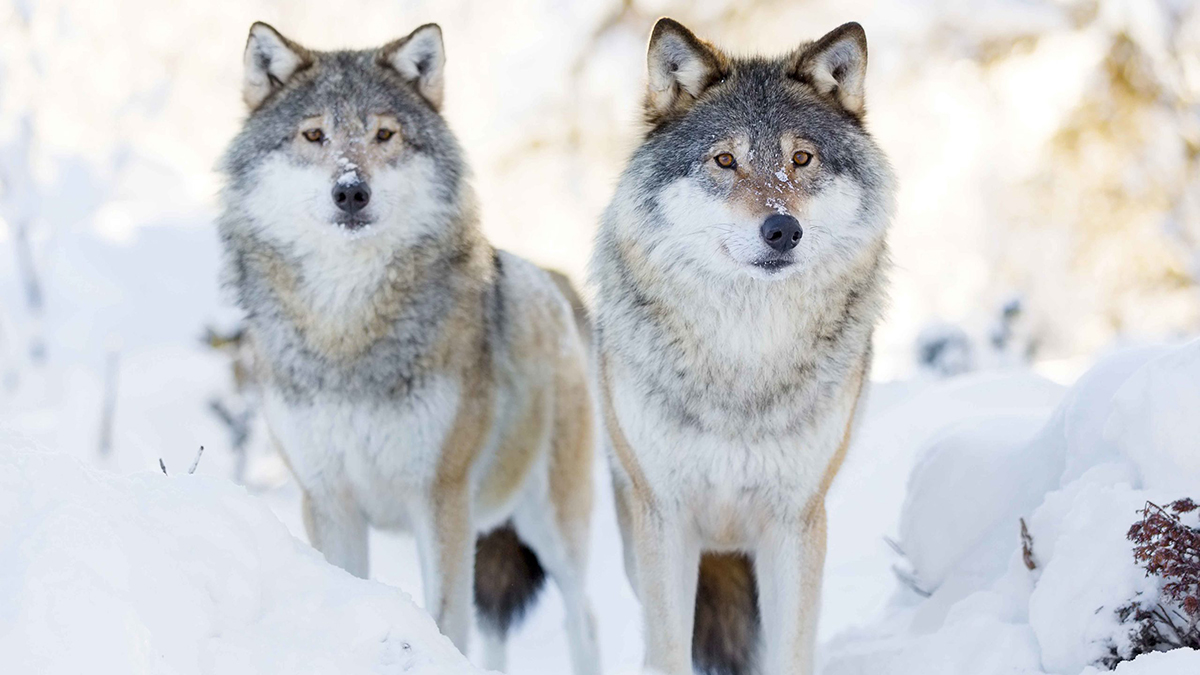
[1027, 547]
[909, 579]
[196, 462]
[906, 577]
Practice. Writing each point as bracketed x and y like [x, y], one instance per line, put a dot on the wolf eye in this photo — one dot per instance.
[801, 158]
[314, 135]
[384, 134]
[725, 161]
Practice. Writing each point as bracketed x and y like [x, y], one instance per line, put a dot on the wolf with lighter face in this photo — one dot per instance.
[412, 375]
[740, 274]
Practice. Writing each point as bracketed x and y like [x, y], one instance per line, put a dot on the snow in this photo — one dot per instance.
[1122, 436]
[1077, 432]
[1155, 423]
[149, 573]
[865, 503]
[1088, 571]
[1176, 662]
[971, 464]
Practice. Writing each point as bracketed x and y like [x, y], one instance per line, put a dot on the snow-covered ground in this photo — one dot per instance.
[1124, 435]
[181, 574]
[105, 559]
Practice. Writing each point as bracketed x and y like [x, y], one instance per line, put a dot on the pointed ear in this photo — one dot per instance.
[681, 66]
[271, 60]
[836, 66]
[420, 59]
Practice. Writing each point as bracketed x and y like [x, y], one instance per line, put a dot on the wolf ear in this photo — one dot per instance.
[681, 66]
[836, 66]
[271, 60]
[420, 59]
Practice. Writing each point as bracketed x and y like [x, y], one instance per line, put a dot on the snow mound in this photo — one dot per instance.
[1124, 435]
[1176, 662]
[1088, 571]
[1154, 422]
[900, 422]
[183, 574]
[984, 467]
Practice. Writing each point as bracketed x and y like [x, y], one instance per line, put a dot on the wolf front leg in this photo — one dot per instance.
[789, 565]
[442, 525]
[337, 528]
[668, 564]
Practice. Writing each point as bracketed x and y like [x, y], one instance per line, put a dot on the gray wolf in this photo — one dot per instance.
[740, 272]
[412, 375]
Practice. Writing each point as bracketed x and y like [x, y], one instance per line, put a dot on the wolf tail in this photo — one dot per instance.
[508, 578]
[726, 633]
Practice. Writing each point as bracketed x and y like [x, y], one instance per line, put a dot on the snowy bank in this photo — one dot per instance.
[149, 573]
[1126, 434]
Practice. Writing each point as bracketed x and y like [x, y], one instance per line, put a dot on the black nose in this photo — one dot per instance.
[351, 197]
[781, 232]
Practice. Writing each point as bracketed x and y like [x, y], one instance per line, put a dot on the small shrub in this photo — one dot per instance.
[1169, 549]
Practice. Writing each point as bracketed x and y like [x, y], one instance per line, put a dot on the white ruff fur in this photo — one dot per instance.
[378, 454]
[728, 487]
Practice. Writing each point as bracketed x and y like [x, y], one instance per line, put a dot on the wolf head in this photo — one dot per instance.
[346, 142]
[754, 168]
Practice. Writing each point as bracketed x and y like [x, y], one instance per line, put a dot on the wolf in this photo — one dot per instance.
[740, 270]
[413, 376]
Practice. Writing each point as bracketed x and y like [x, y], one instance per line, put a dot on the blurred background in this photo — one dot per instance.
[1048, 153]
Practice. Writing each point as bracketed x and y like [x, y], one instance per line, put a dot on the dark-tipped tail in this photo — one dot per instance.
[508, 577]
[726, 633]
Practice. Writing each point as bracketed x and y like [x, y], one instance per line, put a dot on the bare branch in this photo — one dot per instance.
[1027, 547]
[196, 462]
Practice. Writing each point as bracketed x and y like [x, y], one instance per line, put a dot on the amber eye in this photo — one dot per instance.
[384, 134]
[801, 158]
[725, 161]
[314, 135]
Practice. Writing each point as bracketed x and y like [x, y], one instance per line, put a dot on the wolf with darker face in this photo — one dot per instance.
[412, 375]
[740, 272]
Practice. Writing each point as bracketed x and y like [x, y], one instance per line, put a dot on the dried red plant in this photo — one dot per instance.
[1169, 549]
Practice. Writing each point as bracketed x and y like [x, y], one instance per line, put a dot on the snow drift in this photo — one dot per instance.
[1125, 434]
[183, 574]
